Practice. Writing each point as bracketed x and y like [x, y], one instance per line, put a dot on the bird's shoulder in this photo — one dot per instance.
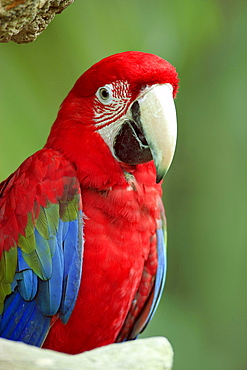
[44, 178]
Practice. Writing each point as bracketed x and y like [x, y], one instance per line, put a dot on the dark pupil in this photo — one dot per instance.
[104, 94]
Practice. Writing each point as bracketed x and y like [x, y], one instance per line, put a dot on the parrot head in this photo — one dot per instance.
[119, 114]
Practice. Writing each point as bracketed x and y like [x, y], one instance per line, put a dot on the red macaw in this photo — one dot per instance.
[82, 252]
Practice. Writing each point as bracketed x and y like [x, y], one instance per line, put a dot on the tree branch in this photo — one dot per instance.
[150, 353]
[22, 21]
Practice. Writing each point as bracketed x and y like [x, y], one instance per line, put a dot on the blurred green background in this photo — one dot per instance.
[203, 310]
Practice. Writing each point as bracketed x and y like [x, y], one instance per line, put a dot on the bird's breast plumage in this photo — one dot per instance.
[119, 225]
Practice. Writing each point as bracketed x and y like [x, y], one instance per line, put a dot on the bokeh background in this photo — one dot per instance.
[203, 310]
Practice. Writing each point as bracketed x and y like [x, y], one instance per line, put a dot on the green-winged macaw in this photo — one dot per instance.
[82, 249]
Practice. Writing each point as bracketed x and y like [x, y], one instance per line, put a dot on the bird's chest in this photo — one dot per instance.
[118, 227]
[118, 223]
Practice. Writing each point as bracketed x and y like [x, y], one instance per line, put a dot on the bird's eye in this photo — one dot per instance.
[104, 94]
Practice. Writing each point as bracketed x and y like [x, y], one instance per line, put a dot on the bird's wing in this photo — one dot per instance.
[144, 306]
[41, 246]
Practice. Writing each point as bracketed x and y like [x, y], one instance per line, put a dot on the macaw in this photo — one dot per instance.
[82, 247]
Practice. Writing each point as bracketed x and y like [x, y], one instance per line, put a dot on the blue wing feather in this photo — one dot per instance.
[21, 318]
[160, 274]
[57, 258]
[50, 291]
[36, 329]
[69, 245]
[11, 306]
[21, 263]
[72, 269]
[27, 284]
[18, 319]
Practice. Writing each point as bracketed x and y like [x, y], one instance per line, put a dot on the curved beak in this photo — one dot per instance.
[159, 124]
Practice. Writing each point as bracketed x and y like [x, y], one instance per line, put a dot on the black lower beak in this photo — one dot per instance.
[130, 144]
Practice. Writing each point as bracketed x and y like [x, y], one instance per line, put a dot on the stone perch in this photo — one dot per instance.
[22, 21]
[150, 353]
